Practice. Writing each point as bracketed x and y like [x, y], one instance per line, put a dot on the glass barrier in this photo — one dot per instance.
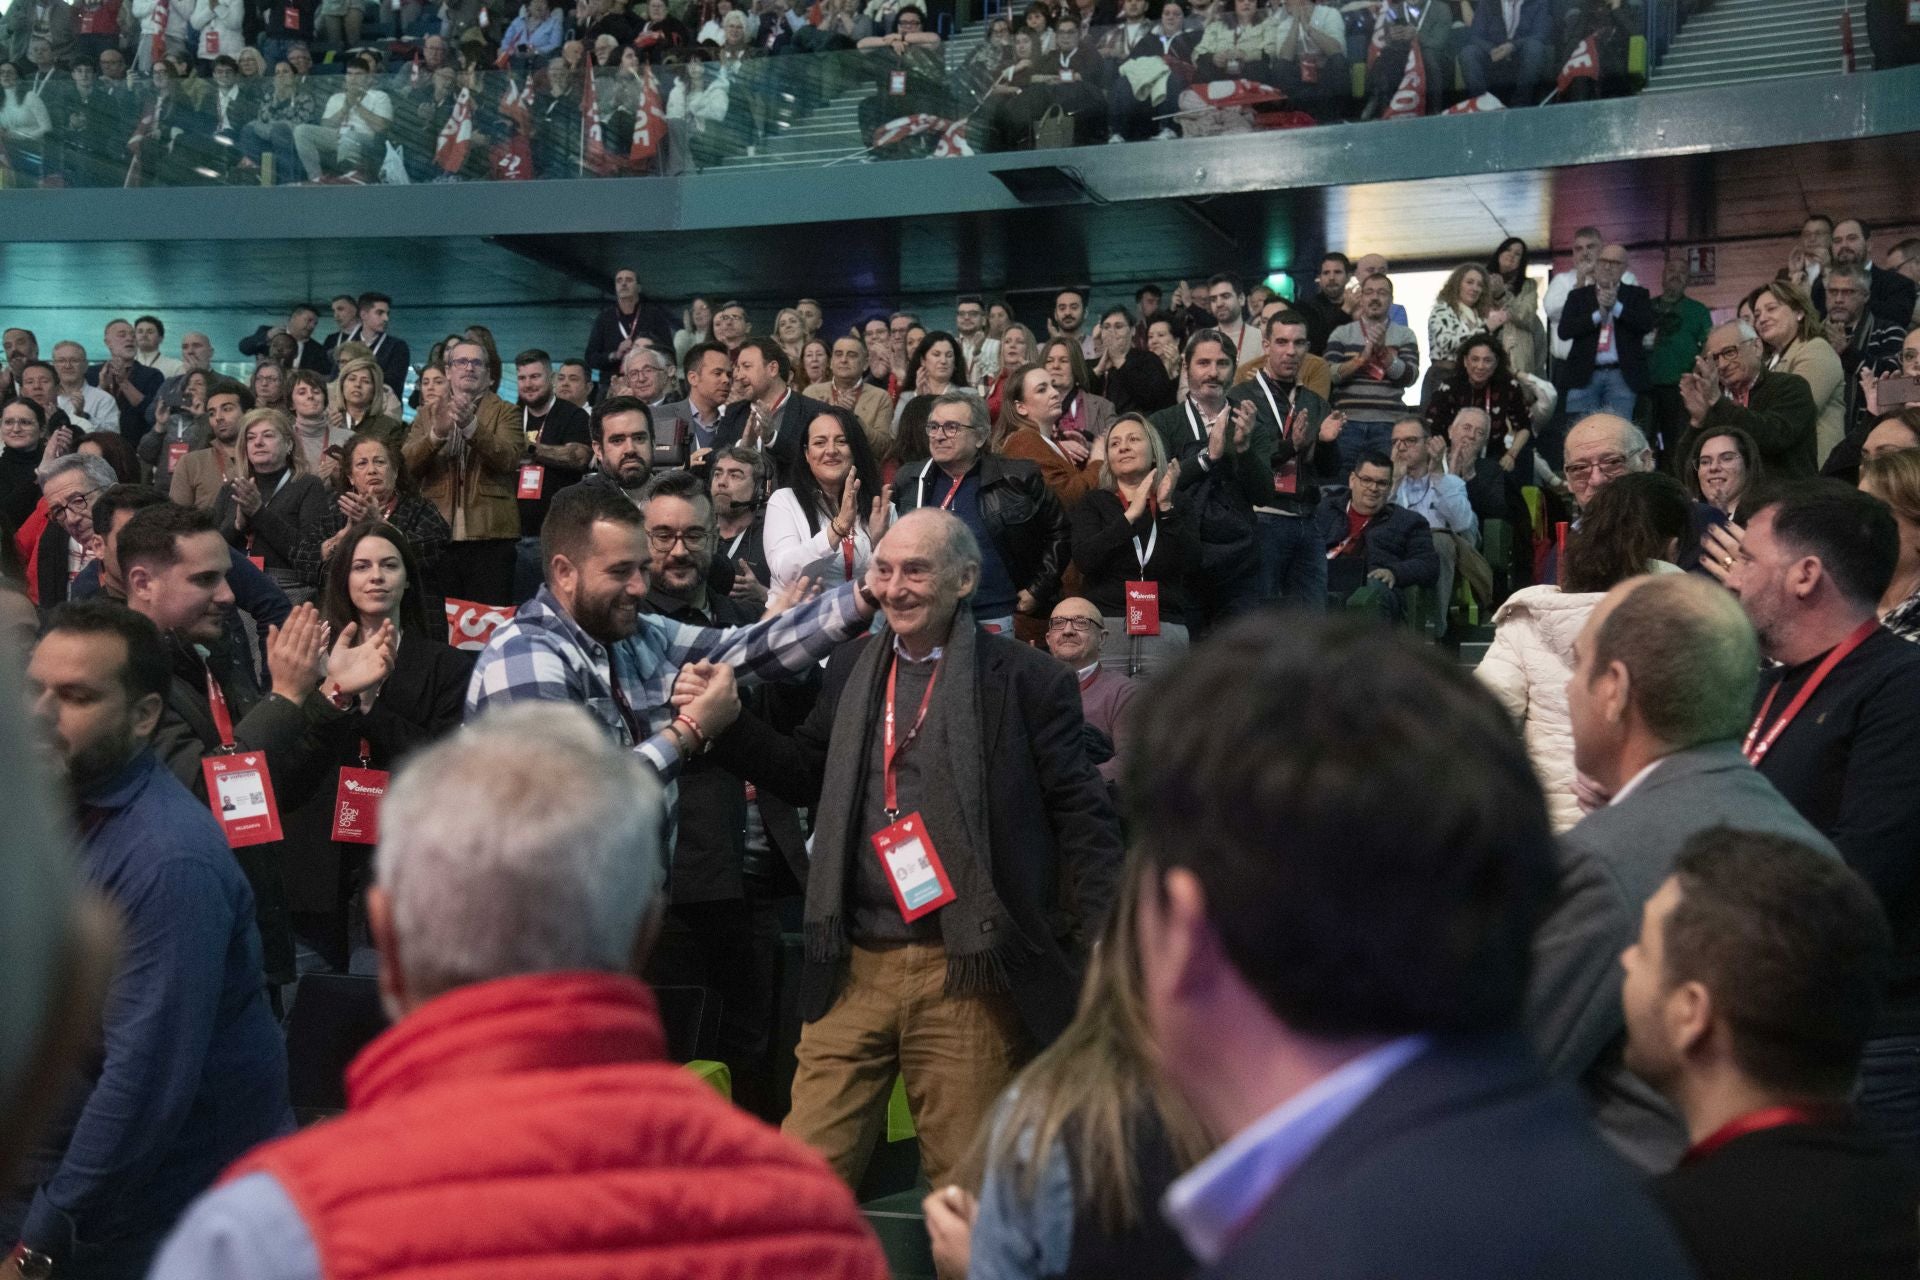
[782, 87]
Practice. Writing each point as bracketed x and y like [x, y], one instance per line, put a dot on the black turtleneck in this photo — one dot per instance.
[19, 491]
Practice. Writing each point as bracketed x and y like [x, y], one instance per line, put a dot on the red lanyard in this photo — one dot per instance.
[1755, 1122]
[222, 718]
[846, 552]
[893, 796]
[1755, 748]
[1086, 682]
[946, 503]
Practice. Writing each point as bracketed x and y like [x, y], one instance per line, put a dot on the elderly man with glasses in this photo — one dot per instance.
[1075, 634]
[1606, 323]
[1730, 387]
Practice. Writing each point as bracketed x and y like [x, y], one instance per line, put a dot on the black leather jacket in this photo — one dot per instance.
[1028, 525]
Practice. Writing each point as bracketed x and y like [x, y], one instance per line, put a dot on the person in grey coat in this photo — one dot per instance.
[1662, 690]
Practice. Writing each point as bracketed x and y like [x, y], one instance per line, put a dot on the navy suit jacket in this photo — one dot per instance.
[1465, 1164]
[1490, 23]
[1635, 321]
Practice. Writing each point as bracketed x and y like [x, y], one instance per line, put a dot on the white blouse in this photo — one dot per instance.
[793, 551]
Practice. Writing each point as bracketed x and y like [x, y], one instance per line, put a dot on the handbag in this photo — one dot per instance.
[1054, 129]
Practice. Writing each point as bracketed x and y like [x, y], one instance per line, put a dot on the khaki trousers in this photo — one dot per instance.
[957, 1054]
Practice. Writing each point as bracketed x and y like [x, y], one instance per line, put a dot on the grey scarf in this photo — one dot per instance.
[983, 944]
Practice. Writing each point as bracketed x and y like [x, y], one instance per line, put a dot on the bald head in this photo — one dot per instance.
[1076, 632]
[927, 563]
[1599, 447]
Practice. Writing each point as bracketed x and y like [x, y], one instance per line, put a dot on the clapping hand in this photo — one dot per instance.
[881, 514]
[294, 653]
[359, 665]
[1244, 416]
[354, 507]
[1075, 448]
[1720, 549]
[1169, 481]
[246, 494]
[1331, 426]
[799, 591]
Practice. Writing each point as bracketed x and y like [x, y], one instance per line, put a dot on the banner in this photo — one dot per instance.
[471, 625]
[1225, 94]
[1474, 106]
[649, 122]
[1410, 99]
[952, 133]
[593, 148]
[457, 137]
[1582, 64]
[516, 104]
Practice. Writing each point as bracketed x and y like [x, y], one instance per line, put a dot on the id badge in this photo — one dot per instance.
[1606, 336]
[176, 450]
[897, 83]
[1066, 75]
[1287, 478]
[1143, 608]
[356, 805]
[240, 793]
[913, 868]
[1309, 71]
[213, 44]
[533, 480]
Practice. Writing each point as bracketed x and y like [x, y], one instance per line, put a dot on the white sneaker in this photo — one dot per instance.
[1166, 132]
[1113, 138]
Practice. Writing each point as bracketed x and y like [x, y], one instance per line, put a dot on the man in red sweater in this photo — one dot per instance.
[520, 1116]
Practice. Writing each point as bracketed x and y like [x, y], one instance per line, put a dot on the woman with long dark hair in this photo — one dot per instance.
[825, 523]
[1483, 381]
[1509, 286]
[935, 367]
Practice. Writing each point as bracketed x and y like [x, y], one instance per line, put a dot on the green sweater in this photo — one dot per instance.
[1679, 334]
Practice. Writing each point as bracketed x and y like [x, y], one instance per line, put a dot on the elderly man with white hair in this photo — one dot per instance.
[520, 1113]
[1730, 386]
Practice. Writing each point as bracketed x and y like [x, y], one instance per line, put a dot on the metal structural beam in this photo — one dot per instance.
[1812, 110]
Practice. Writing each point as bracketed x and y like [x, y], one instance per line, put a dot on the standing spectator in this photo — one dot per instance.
[1005, 503]
[1326, 310]
[1076, 634]
[1018, 347]
[304, 317]
[559, 448]
[203, 475]
[372, 483]
[1895, 479]
[1485, 381]
[1509, 50]
[1083, 415]
[978, 352]
[1630, 527]
[1834, 732]
[1374, 360]
[1030, 429]
[1731, 387]
[934, 368]
[1794, 342]
[133, 386]
[1763, 932]
[846, 387]
[1681, 326]
[24, 124]
[1462, 309]
[737, 481]
[618, 328]
[824, 525]
[50, 20]
[1509, 287]
[1133, 539]
[998, 742]
[1661, 738]
[622, 446]
[509, 916]
[1867, 347]
[218, 22]
[268, 502]
[464, 457]
[1890, 293]
[1333, 972]
[191, 1070]
[80, 401]
[696, 419]
[1127, 376]
[908, 69]
[1605, 324]
[772, 419]
[1375, 550]
[315, 436]
[389, 352]
[1722, 469]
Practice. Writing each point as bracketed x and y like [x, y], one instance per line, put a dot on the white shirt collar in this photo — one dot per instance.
[1089, 671]
[901, 650]
[1635, 781]
[1211, 1202]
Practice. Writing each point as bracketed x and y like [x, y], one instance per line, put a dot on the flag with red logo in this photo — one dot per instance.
[512, 160]
[1377, 43]
[1222, 95]
[517, 104]
[1582, 64]
[1474, 106]
[649, 122]
[470, 625]
[1410, 99]
[457, 135]
[162, 15]
[593, 150]
[951, 139]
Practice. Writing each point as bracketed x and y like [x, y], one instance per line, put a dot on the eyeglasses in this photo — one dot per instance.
[77, 505]
[466, 364]
[663, 539]
[936, 430]
[1079, 626]
[1371, 482]
[1724, 354]
[1610, 466]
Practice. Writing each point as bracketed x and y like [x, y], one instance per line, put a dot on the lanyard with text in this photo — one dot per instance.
[533, 476]
[1756, 1122]
[1755, 748]
[1143, 596]
[356, 801]
[1286, 476]
[907, 856]
[239, 787]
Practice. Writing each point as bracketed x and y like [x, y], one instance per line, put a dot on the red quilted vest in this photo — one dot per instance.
[529, 1127]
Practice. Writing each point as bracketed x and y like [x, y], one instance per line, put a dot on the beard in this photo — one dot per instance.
[609, 619]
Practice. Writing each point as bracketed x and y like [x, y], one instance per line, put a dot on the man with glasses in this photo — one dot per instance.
[1600, 448]
[69, 484]
[1890, 290]
[465, 454]
[1375, 550]
[1075, 635]
[847, 387]
[1606, 324]
[980, 352]
[1868, 346]
[1731, 387]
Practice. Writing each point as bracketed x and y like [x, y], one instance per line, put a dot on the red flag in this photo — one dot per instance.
[517, 104]
[512, 160]
[1410, 99]
[1473, 106]
[1846, 36]
[1582, 64]
[649, 122]
[1378, 41]
[471, 625]
[1223, 94]
[451, 151]
[952, 133]
[593, 151]
[162, 14]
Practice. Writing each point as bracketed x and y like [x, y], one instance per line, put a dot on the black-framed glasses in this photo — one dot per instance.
[1612, 465]
[78, 504]
[468, 363]
[1079, 626]
[663, 539]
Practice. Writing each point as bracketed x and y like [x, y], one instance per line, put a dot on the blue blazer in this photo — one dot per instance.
[1466, 1164]
[1490, 23]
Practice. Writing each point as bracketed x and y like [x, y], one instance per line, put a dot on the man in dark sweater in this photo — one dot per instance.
[1754, 982]
[630, 321]
[191, 1071]
[1835, 732]
[559, 450]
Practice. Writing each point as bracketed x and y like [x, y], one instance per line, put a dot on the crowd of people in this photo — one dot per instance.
[125, 92]
[1072, 697]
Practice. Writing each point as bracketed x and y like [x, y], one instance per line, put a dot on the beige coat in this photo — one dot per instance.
[1815, 361]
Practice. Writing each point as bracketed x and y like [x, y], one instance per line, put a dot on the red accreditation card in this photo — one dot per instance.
[913, 868]
[240, 793]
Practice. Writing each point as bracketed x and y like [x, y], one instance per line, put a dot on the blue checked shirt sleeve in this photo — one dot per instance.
[777, 647]
[522, 667]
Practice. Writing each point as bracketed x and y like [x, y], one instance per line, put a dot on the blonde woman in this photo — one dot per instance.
[263, 507]
[1017, 347]
[1894, 478]
[1795, 341]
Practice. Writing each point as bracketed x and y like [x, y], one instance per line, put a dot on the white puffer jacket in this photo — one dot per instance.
[1527, 667]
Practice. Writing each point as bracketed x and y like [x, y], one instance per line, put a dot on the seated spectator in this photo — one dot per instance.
[1077, 634]
[1466, 458]
[533, 37]
[371, 483]
[265, 506]
[1422, 487]
[658, 32]
[1015, 99]
[1661, 738]
[697, 111]
[1867, 346]
[1128, 377]
[1894, 478]
[909, 72]
[190, 1069]
[1314, 945]
[350, 128]
[1083, 415]
[1611, 25]
[87, 407]
[1509, 51]
[357, 401]
[269, 385]
[459, 846]
[1306, 57]
[1374, 360]
[24, 123]
[1753, 984]
[1633, 526]
[58, 541]
[1138, 551]
[1725, 467]
[1397, 25]
[1156, 70]
[824, 524]
[1731, 387]
[1080, 80]
[1087, 1140]
[1375, 550]
[316, 436]
[1234, 44]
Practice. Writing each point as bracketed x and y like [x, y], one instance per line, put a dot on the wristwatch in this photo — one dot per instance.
[33, 1265]
[866, 594]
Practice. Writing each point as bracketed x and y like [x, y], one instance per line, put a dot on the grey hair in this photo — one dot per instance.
[494, 869]
[977, 419]
[1471, 412]
[98, 471]
[959, 550]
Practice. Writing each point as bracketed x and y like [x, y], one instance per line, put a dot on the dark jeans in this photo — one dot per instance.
[1519, 78]
[1293, 564]
[479, 570]
[731, 947]
[1888, 1095]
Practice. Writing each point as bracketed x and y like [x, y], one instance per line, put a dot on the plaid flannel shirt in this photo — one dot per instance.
[542, 655]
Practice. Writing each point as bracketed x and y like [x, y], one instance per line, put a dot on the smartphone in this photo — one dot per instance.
[1898, 391]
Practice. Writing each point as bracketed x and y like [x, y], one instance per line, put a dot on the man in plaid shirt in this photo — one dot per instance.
[583, 639]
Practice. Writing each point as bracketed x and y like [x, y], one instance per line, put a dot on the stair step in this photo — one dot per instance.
[1665, 86]
[1733, 62]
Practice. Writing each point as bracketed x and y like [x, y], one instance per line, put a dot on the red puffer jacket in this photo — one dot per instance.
[530, 1127]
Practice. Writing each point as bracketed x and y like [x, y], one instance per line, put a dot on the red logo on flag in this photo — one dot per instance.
[1582, 64]
[1410, 99]
[471, 625]
[649, 122]
[455, 139]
